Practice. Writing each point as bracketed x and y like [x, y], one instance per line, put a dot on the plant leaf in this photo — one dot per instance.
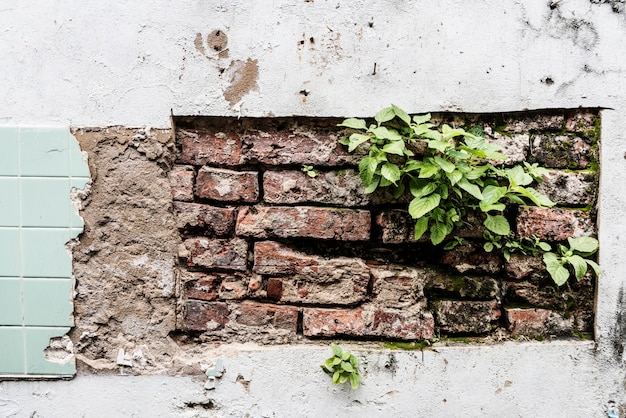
[420, 188]
[347, 366]
[356, 140]
[438, 232]
[594, 266]
[401, 114]
[420, 119]
[336, 376]
[343, 378]
[470, 188]
[587, 245]
[420, 206]
[395, 147]
[579, 264]
[384, 115]
[553, 265]
[354, 380]
[354, 123]
[454, 176]
[445, 165]
[497, 224]
[337, 351]
[421, 226]
[428, 170]
[391, 172]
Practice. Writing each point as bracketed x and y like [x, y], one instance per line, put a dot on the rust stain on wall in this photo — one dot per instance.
[243, 79]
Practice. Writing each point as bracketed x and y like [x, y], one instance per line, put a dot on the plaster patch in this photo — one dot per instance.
[243, 79]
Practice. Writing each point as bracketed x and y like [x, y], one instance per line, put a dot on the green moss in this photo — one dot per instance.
[405, 345]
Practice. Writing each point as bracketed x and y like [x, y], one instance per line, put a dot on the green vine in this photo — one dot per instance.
[451, 173]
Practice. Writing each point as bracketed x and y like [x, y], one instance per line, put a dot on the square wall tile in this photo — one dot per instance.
[10, 250]
[9, 201]
[78, 164]
[12, 351]
[37, 340]
[10, 302]
[45, 202]
[9, 151]
[47, 302]
[44, 152]
[44, 253]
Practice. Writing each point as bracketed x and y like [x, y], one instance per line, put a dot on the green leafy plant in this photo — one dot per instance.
[449, 172]
[572, 258]
[343, 366]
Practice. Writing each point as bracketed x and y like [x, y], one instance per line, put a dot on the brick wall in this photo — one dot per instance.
[271, 254]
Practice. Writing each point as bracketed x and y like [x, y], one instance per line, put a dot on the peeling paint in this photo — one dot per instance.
[243, 79]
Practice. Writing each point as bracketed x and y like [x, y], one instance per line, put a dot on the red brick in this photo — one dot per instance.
[297, 146]
[553, 224]
[568, 188]
[561, 151]
[581, 122]
[201, 285]
[514, 146]
[521, 266]
[533, 122]
[319, 322]
[209, 147]
[205, 316]
[470, 258]
[273, 258]
[275, 288]
[215, 221]
[460, 317]
[468, 287]
[181, 181]
[404, 324]
[227, 185]
[538, 322]
[215, 253]
[261, 314]
[310, 222]
[343, 188]
[398, 286]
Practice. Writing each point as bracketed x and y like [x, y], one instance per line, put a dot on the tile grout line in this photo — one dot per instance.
[21, 245]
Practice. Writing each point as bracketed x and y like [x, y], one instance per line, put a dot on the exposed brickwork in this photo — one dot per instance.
[553, 224]
[304, 222]
[273, 255]
[227, 185]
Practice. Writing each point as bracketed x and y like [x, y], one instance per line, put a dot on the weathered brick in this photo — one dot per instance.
[209, 147]
[275, 288]
[514, 146]
[533, 122]
[215, 221]
[201, 285]
[310, 222]
[581, 122]
[522, 266]
[215, 253]
[343, 188]
[560, 151]
[471, 258]
[472, 287]
[568, 188]
[277, 259]
[227, 185]
[181, 181]
[532, 294]
[538, 322]
[464, 316]
[297, 146]
[317, 322]
[397, 227]
[553, 224]
[395, 286]
[274, 258]
[404, 324]
[263, 315]
[205, 316]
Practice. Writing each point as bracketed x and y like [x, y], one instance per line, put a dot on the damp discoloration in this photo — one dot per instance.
[243, 80]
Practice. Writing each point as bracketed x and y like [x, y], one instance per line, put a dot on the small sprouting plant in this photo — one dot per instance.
[310, 171]
[343, 366]
[508, 244]
[572, 258]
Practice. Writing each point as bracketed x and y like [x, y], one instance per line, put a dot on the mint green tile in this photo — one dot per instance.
[47, 302]
[9, 151]
[10, 265]
[44, 253]
[37, 340]
[78, 166]
[76, 221]
[10, 301]
[45, 202]
[44, 151]
[12, 352]
[9, 201]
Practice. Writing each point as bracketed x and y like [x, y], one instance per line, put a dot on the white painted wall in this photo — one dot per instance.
[131, 63]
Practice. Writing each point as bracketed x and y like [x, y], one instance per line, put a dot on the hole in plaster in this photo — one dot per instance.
[217, 40]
